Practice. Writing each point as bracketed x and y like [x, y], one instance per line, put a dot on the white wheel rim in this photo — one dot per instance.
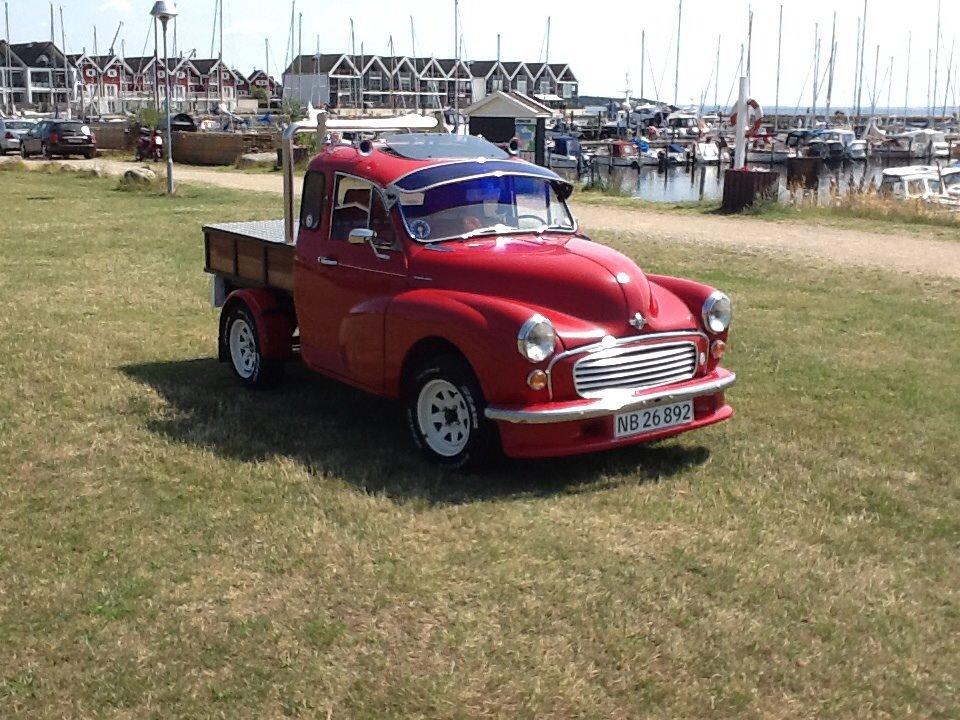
[243, 348]
[443, 417]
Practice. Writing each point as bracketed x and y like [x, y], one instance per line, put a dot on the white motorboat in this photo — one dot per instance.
[950, 179]
[917, 182]
[706, 153]
[683, 125]
[617, 153]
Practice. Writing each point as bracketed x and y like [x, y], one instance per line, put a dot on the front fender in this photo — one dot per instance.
[483, 328]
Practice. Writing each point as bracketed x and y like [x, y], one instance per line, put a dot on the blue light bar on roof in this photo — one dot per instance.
[428, 177]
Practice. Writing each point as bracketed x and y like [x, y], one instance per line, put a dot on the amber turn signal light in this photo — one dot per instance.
[537, 380]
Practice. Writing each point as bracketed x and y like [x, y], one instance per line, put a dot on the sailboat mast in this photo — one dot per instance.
[547, 51]
[874, 93]
[936, 66]
[906, 87]
[946, 92]
[776, 100]
[716, 79]
[890, 89]
[66, 71]
[856, 72]
[863, 50]
[816, 68]
[833, 60]
[676, 76]
[456, 66]
[220, 52]
[643, 60]
[749, 44]
[6, 18]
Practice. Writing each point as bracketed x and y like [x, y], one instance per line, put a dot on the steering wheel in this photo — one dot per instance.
[540, 221]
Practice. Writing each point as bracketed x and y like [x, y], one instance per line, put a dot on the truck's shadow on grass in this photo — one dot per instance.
[334, 430]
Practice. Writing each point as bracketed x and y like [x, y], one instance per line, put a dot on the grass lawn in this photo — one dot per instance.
[174, 546]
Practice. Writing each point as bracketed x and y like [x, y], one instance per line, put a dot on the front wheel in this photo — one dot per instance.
[242, 342]
[444, 408]
[23, 152]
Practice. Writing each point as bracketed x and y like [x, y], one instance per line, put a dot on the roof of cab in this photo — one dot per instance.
[388, 161]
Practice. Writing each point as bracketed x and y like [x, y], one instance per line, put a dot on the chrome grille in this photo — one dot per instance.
[634, 368]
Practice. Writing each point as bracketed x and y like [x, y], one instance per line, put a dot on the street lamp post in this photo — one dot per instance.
[164, 10]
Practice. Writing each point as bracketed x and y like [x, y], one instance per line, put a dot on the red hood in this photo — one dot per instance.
[588, 290]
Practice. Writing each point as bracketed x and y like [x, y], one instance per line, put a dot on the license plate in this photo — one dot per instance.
[640, 422]
[75, 140]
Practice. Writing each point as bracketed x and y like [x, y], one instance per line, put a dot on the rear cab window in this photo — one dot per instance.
[312, 202]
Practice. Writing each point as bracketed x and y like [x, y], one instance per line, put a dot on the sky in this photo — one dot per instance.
[602, 48]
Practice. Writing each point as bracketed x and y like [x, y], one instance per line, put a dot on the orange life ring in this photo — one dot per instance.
[757, 114]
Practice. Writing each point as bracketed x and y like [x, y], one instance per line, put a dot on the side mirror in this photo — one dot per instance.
[359, 236]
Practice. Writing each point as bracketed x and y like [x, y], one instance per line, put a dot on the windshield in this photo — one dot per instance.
[19, 125]
[484, 205]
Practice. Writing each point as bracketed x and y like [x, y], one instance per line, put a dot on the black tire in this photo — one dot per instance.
[90, 154]
[23, 153]
[45, 152]
[481, 445]
[243, 352]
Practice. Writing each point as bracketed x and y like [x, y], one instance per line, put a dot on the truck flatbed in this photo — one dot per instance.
[249, 254]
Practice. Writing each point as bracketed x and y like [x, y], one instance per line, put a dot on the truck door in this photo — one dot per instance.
[351, 285]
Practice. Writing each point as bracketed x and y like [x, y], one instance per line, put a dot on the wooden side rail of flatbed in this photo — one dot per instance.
[249, 254]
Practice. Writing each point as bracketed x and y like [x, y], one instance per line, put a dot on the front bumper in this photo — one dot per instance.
[570, 428]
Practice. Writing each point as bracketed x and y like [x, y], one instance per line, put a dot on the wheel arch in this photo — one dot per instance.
[273, 316]
[425, 349]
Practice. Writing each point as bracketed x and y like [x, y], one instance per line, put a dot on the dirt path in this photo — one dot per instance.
[914, 253]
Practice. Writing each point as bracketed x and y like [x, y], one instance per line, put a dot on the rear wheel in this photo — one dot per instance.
[23, 152]
[242, 342]
[444, 408]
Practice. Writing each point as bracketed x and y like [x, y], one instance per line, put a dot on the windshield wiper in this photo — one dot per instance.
[496, 229]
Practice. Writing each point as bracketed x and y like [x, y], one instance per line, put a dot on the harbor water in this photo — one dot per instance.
[684, 183]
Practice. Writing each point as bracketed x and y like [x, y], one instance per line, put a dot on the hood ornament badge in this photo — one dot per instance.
[638, 321]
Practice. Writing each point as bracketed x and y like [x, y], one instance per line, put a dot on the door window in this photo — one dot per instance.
[352, 207]
[382, 224]
[311, 205]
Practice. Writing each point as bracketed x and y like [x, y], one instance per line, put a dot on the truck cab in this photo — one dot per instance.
[443, 271]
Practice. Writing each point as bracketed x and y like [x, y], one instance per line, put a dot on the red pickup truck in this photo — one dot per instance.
[446, 272]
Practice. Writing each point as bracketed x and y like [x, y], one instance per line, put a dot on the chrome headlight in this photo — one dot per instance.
[537, 339]
[717, 312]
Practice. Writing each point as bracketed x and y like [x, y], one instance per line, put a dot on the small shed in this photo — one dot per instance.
[502, 116]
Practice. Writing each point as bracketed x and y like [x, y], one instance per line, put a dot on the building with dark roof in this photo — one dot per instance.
[418, 83]
[34, 75]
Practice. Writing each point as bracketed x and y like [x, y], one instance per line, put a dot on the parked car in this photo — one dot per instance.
[11, 131]
[442, 271]
[59, 137]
